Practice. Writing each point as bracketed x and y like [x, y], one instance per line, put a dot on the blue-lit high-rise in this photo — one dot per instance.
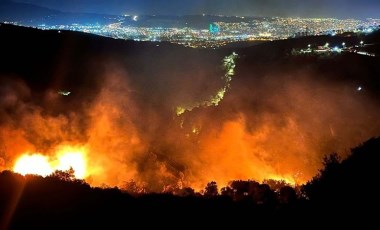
[214, 28]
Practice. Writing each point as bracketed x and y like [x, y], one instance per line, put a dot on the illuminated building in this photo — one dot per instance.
[214, 28]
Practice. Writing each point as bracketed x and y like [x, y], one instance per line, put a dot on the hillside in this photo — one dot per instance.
[266, 115]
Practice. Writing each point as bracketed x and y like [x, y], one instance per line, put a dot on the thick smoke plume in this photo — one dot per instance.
[270, 123]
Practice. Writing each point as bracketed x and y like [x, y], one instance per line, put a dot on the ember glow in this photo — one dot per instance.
[66, 158]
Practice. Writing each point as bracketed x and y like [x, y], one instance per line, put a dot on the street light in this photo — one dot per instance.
[344, 45]
[361, 43]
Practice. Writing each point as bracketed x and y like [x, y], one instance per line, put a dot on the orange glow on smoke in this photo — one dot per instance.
[123, 138]
[233, 153]
[65, 158]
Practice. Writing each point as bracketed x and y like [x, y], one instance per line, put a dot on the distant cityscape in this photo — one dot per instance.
[215, 33]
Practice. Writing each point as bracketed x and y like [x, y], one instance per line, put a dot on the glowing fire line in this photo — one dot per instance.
[229, 66]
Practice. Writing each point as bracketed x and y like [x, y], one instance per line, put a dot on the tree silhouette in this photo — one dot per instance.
[287, 195]
[211, 189]
[331, 163]
[262, 194]
[227, 191]
[276, 185]
[68, 175]
[344, 186]
[327, 179]
[243, 189]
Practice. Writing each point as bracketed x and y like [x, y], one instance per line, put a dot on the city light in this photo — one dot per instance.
[220, 33]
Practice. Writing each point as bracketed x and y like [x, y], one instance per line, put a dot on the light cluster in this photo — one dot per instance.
[220, 33]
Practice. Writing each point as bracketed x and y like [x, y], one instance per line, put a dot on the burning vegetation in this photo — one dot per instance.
[148, 121]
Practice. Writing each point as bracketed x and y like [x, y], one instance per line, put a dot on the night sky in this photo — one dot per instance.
[312, 8]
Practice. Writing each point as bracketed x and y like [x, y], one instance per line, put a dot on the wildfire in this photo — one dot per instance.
[214, 100]
[33, 164]
[65, 158]
[287, 179]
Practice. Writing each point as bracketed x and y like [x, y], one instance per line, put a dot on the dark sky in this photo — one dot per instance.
[303, 8]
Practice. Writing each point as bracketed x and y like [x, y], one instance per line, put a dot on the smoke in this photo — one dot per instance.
[113, 138]
[269, 123]
[281, 126]
[27, 127]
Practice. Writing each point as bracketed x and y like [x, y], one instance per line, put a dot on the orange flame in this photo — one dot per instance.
[33, 164]
[65, 158]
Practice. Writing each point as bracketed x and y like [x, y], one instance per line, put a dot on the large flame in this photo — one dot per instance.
[36, 164]
[65, 158]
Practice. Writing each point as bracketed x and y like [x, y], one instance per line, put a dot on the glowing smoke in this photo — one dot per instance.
[270, 124]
